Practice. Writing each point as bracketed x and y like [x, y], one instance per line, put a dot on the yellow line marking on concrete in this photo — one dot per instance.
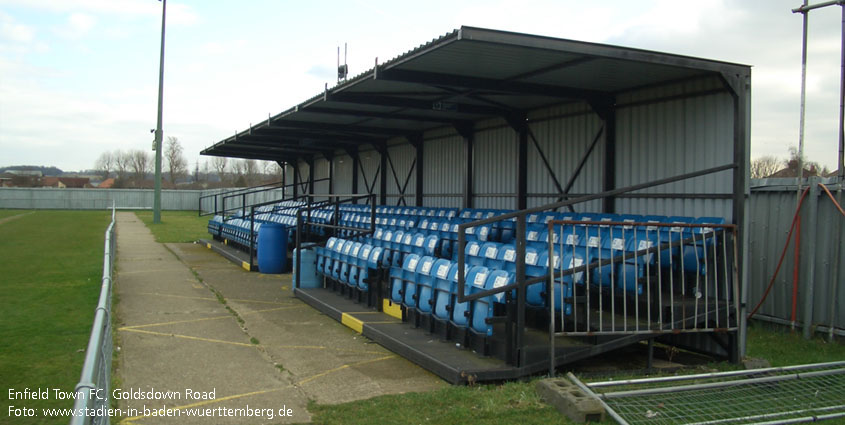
[212, 299]
[195, 338]
[207, 402]
[321, 347]
[346, 366]
[246, 266]
[175, 322]
[256, 301]
[353, 323]
[153, 271]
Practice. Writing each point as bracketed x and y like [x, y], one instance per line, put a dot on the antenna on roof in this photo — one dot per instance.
[342, 70]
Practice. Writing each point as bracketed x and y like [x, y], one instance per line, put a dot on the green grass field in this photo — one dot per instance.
[517, 402]
[176, 226]
[50, 275]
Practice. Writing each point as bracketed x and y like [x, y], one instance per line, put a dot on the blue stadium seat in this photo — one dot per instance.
[483, 307]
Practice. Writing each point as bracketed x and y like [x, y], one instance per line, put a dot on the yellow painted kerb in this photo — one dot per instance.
[208, 245]
[353, 323]
[245, 265]
[391, 309]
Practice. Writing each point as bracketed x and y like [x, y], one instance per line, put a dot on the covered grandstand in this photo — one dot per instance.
[521, 201]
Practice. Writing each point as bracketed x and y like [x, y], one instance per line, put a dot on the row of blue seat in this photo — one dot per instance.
[429, 286]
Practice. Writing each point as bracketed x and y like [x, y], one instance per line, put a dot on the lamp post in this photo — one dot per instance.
[158, 132]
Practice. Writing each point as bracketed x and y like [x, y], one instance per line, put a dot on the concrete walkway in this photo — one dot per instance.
[192, 324]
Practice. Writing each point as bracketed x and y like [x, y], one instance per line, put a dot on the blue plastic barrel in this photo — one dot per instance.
[308, 278]
[272, 248]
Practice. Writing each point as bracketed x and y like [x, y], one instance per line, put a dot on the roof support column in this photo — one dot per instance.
[310, 162]
[520, 124]
[283, 166]
[356, 163]
[417, 142]
[468, 133]
[295, 172]
[382, 191]
[330, 160]
[609, 178]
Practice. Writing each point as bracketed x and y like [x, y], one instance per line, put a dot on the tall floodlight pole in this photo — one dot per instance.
[805, 9]
[159, 133]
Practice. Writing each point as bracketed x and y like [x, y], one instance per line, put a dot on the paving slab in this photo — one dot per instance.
[187, 319]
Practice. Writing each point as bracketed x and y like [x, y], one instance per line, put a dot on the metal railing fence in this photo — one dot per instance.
[92, 402]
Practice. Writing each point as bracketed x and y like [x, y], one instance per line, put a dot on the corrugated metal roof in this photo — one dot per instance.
[464, 76]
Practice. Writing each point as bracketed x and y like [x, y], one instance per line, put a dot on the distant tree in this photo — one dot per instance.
[219, 164]
[140, 164]
[813, 167]
[104, 164]
[251, 171]
[122, 162]
[765, 166]
[176, 163]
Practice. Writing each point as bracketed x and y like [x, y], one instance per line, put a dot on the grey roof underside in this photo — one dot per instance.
[462, 77]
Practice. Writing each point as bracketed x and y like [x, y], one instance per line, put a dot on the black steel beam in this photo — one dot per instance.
[296, 177]
[519, 124]
[428, 105]
[310, 161]
[420, 178]
[356, 163]
[468, 133]
[344, 128]
[478, 83]
[609, 178]
[385, 115]
[298, 135]
[383, 156]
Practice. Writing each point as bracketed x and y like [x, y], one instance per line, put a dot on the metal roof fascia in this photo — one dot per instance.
[596, 49]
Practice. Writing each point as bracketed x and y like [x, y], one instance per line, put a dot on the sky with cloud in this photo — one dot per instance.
[80, 77]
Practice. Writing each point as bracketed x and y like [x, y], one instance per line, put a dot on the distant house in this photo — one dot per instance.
[27, 173]
[65, 182]
[791, 170]
[107, 183]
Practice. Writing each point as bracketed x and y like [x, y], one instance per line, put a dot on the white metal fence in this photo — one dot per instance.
[92, 402]
[97, 199]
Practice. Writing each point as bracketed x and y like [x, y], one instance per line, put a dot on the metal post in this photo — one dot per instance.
[834, 270]
[520, 292]
[251, 237]
[842, 100]
[809, 281]
[800, 174]
[159, 134]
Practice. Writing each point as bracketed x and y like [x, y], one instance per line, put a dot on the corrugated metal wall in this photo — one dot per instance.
[772, 206]
[692, 130]
[402, 156]
[343, 174]
[444, 167]
[564, 134]
[370, 171]
[321, 171]
[494, 165]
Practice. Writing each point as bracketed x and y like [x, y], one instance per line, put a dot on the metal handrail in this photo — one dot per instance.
[520, 283]
[93, 387]
[243, 196]
[233, 191]
[338, 199]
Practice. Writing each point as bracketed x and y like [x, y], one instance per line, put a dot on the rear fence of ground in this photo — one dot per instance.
[99, 199]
